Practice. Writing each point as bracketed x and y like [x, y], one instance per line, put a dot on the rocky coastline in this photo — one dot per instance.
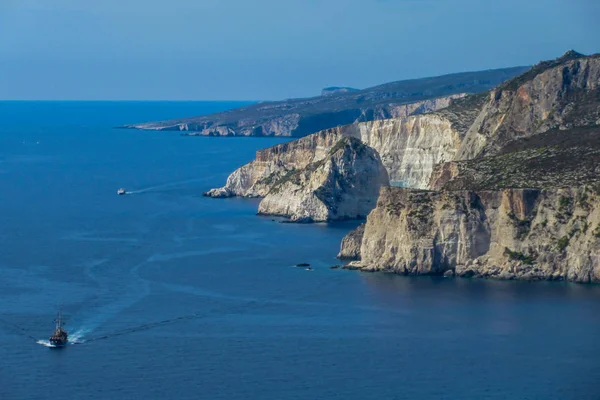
[336, 107]
[527, 234]
[503, 184]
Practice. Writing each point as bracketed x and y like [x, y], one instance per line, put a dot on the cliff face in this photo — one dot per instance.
[409, 149]
[342, 185]
[505, 234]
[540, 130]
[256, 178]
[563, 94]
[350, 247]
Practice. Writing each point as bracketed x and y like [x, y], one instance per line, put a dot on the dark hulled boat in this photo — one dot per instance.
[60, 337]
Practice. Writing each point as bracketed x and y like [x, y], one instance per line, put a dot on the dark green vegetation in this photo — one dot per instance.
[300, 117]
[514, 255]
[558, 158]
[462, 112]
[562, 243]
[523, 225]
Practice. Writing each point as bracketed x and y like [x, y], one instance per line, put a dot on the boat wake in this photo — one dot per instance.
[164, 187]
[78, 337]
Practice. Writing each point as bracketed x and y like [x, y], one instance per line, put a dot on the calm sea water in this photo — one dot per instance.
[174, 296]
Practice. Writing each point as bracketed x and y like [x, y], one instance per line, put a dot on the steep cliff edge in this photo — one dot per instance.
[350, 247]
[540, 130]
[506, 234]
[343, 185]
[256, 178]
[409, 148]
[563, 93]
[301, 117]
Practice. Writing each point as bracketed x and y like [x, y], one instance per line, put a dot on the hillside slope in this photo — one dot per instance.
[300, 117]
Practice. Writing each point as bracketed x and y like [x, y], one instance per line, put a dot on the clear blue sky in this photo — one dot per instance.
[270, 49]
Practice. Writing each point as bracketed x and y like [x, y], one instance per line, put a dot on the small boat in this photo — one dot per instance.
[309, 269]
[121, 191]
[60, 337]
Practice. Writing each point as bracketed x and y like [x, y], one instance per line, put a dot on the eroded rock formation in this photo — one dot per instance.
[507, 234]
[342, 185]
[350, 247]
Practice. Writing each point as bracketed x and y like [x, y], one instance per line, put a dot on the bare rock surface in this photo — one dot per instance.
[350, 248]
[343, 185]
[506, 234]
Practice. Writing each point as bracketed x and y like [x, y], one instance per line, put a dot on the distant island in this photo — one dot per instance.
[340, 106]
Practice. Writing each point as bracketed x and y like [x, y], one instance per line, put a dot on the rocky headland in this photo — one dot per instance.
[342, 185]
[502, 184]
[521, 198]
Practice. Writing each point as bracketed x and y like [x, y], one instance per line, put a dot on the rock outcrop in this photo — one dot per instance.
[256, 178]
[350, 248]
[506, 234]
[342, 185]
[563, 93]
[301, 117]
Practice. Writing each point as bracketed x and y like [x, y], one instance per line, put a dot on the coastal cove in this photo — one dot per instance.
[239, 319]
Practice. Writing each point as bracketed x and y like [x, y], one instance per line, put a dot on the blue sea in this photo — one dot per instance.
[170, 295]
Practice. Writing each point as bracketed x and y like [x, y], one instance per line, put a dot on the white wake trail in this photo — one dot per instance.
[165, 186]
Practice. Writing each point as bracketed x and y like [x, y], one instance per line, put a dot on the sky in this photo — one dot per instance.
[270, 49]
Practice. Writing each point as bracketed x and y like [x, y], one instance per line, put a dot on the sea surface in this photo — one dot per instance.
[169, 295]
